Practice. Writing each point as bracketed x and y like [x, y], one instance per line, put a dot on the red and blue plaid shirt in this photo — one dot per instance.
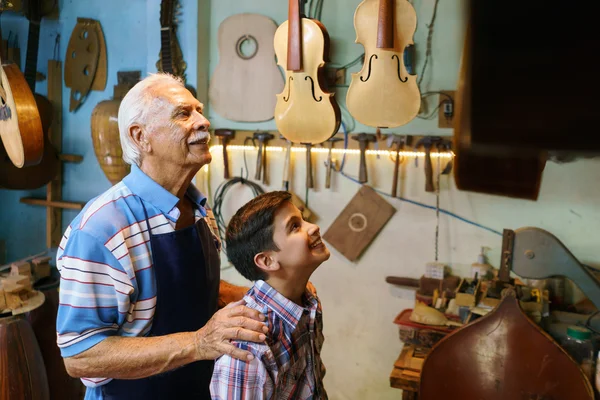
[288, 365]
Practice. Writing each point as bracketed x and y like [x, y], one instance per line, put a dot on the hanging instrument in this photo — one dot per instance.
[305, 112]
[383, 94]
[36, 174]
[20, 124]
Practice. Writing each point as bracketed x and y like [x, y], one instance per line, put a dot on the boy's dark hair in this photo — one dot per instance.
[250, 232]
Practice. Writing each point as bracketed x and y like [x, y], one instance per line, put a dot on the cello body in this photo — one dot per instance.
[305, 112]
[383, 94]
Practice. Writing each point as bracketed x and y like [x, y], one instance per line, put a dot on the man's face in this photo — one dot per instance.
[179, 134]
[301, 249]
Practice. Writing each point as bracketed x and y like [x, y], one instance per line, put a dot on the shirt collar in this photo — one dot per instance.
[149, 190]
[286, 309]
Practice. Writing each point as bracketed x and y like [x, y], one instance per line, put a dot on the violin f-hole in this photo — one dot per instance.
[290, 79]
[369, 73]
[399, 75]
[312, 88]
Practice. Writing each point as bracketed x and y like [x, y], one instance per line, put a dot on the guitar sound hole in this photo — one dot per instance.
[246, 47]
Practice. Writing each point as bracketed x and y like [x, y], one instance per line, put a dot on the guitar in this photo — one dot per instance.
[244, 85]
[170, 58]
[304, 112]
[20, 124]
[383, 94]
[33, 175]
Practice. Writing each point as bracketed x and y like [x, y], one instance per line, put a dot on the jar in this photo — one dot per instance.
[580, 347]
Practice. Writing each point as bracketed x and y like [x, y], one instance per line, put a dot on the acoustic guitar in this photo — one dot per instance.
[383, 94]
[246, 80]
[34, 174]
[304, 112]
[20, 124]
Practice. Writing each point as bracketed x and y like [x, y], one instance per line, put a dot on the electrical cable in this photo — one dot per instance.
[429, 40]
[220, 195]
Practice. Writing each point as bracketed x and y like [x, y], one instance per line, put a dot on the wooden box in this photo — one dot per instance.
[463, 298]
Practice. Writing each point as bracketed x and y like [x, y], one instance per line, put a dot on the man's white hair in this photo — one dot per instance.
[141, 105]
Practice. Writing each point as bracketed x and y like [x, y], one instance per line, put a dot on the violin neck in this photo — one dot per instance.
[385, 25]
[294, 51]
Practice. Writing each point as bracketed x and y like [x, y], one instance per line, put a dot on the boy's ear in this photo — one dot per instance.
[266, 261]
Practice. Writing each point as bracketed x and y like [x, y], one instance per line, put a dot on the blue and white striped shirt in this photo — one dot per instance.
[107, 285]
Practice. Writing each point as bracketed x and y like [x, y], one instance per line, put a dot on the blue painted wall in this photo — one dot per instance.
[132, 33]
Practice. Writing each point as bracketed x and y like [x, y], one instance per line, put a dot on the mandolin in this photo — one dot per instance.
[304, 111]
[38, 174]
[383, 94]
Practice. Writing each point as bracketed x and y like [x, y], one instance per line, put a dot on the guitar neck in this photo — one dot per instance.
[166, 37]
[32, 54]
[385, 25]
[294, 55]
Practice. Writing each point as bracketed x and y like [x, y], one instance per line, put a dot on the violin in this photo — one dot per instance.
[383, 94]
[304, 112]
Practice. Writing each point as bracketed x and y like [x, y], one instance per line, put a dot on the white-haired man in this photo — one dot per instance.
[140, 284]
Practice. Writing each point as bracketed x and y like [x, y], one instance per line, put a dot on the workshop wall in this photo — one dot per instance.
[361, 341]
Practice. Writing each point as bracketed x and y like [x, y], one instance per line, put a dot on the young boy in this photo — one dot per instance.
[269, 243]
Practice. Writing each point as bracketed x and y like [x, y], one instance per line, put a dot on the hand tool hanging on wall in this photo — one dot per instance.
[398, 143]
[86, 63]
[427, 143]
[261, 159]
[363, 140]
[287, 164]
[309, 173]
[330, 163]
[225, 135]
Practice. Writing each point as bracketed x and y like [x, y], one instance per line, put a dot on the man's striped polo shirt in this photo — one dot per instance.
[107, 285]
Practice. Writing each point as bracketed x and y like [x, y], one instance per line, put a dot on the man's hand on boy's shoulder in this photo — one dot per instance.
[311, 288]
[234, 322]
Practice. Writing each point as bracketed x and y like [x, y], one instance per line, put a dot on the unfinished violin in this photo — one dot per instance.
[304, 112]
[383, 94]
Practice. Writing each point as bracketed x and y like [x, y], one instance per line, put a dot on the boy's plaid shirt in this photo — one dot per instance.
[289, 365]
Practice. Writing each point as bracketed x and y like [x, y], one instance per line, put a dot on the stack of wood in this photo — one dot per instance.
[16, 289]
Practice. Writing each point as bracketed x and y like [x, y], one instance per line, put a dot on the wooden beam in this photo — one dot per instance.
[54, 188]
[52, 204]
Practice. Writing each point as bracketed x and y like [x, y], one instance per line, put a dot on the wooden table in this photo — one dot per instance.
[406, 372]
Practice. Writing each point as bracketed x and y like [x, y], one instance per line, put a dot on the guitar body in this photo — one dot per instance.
[20, 123]
[244, 86]
[383, 94]
[305, 113]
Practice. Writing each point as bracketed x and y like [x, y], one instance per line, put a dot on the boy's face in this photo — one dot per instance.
[301, 249]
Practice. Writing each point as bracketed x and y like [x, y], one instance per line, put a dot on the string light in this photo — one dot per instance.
[435, 154]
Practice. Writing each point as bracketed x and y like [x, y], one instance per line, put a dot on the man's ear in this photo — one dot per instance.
[139, 138]
[266, 261]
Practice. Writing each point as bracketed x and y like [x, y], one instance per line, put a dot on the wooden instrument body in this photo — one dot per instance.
[383, 94]
[22, 374]
[245, 89]
[20, 123]
[305, 112]
[502, 355]
[106, 140]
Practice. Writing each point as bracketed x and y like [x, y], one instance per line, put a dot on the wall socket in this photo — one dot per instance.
[447, 109]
